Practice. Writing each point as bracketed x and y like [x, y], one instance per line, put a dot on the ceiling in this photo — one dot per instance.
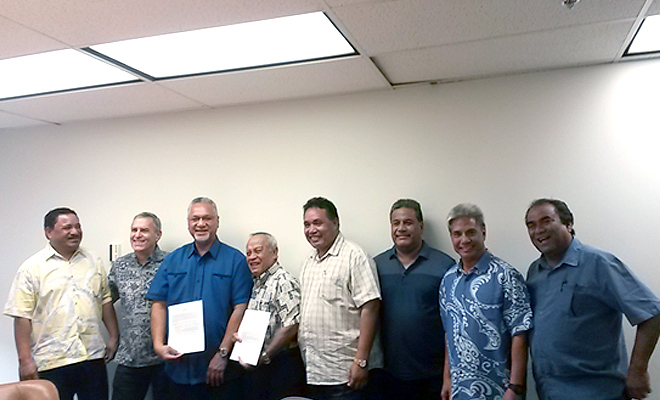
[400, 42]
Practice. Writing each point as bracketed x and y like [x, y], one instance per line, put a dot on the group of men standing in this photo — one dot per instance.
[410, 323]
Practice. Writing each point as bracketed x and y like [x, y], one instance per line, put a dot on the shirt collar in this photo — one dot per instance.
[213, 251]
[51, 252]
[424, 252]
[261, 279]
[570, 258]
[157, 256]
[333, 250]
[479, 268]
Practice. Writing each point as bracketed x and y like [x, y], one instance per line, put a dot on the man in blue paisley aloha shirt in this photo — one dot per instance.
[486, 315]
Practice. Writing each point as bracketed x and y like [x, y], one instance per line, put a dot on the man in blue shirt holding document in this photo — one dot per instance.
[218, 275]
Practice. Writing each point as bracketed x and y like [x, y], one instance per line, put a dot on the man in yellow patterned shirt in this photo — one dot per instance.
[58, 299]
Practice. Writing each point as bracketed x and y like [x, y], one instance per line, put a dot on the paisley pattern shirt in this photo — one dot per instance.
[129, 282]
[481, 311]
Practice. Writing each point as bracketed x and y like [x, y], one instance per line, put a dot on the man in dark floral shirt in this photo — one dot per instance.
[129, 280]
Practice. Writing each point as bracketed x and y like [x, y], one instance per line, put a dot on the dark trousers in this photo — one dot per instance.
[391, 388]
[232, 388]
[284, 376]
[87, 379]
[133, 383]
[336, 392]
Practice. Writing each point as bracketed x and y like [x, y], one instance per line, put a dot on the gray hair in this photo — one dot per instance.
[272, 243]
[154, 217]
[466, 210]
[202, 199]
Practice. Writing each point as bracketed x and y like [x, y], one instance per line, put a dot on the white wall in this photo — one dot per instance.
[589, 136]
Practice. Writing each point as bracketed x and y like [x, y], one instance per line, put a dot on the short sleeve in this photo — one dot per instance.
[112, 281]
[288, 301]
[159, 288]
[363, 278]
[517, 309]
[242, 284]
[630, 296]
[22, 299]
[105, 288]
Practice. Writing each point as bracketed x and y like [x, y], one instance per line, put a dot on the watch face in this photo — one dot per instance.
[362, 363]
[223, 353]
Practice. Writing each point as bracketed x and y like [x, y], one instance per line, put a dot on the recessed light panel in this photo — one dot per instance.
[55, 71]
[647, 39]
[247, 45]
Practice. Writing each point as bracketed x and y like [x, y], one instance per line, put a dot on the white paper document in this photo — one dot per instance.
[252, 333]
[186, 327]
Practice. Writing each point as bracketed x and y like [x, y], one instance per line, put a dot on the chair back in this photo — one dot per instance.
[38, 389]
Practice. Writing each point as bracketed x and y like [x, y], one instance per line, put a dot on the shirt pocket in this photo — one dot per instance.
[220, 276]
[176, 279]
[585, 299]
[565, 298]
[332, 290]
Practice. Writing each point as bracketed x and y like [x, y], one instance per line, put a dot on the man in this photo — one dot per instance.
[58, 299]
[339, 308]
[410, 274]
[129, 279]
[218, 275]
[486, 315]
[280, 371]
[579, 294]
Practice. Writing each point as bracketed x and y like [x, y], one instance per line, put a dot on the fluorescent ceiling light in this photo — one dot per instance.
[55, 71]
[647, 39]
[247, 45]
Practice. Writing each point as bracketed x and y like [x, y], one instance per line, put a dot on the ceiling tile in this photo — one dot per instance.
[8, 120]
[383, 27]
[654, 9]
[108, 102]
[410, 40]
[321, 78]
[520, 53]
[18, 40]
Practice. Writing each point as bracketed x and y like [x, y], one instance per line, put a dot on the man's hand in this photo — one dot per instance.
[215, 375]
[511, 395]
[445, 393]
[27, 369]
[638, 384]
[357, 377]
[110, 349]
[246, 365]
[166, 352]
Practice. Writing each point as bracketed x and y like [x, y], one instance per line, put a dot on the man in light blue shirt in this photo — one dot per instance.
[579, 294]
[486, 315]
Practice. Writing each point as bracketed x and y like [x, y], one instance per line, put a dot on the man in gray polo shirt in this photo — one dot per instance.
[579, 294]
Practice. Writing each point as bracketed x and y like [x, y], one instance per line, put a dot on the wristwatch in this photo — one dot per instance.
[517, 389]
[265, 357]
[362, 363]
[224, 353]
